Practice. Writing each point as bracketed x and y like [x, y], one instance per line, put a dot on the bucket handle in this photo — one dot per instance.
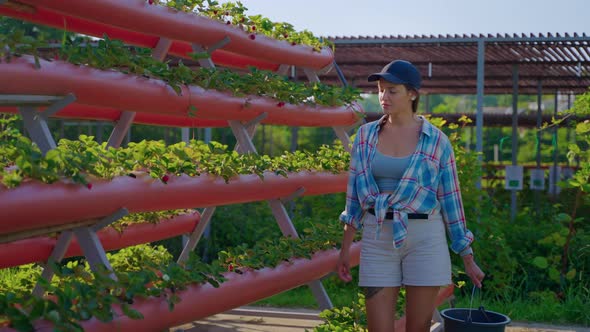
[481, 308]
[469, 319]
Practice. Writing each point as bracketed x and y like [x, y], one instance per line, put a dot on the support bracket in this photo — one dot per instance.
[297, 193]
[90, 244]
[343, 136]
[121, 129]
[218, 45]
[283, 70]
[36, 122]
[195, 236]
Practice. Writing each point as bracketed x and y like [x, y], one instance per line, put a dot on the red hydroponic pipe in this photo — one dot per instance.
[161, 21]
[43, 16]
[88, 112]
[38, 249]
[203, 300]
[107, 88]
[34, 204]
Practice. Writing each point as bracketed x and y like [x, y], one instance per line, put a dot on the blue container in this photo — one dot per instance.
[456, 320]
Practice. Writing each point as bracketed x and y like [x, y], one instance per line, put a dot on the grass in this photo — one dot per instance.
[340, 294]
[540, 307]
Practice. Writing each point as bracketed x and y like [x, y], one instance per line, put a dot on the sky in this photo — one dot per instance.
[429, 17]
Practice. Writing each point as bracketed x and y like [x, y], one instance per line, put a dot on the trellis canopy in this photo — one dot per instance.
[449, 64]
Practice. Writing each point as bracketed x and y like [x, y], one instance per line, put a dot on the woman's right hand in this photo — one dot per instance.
[343, 266]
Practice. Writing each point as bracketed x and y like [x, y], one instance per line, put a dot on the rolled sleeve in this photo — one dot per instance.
[449, 196]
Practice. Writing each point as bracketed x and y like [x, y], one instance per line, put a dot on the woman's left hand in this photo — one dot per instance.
[473, 271]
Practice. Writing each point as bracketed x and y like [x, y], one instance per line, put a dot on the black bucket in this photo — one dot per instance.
[457, 320]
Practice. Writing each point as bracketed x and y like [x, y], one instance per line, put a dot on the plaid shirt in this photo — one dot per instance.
[428, 185]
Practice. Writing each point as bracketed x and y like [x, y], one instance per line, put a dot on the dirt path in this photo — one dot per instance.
[256, 319]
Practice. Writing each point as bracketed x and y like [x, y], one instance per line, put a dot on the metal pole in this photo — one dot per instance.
[539, 123]
[554, 174]
[539, 120]
[514, 135]
[340, 74]
[479, 115]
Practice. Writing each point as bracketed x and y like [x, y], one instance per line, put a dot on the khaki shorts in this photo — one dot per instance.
[423, 259]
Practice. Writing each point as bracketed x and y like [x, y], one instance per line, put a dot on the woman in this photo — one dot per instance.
[403, 192]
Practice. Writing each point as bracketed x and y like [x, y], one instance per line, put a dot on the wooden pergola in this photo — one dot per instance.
[455, 64]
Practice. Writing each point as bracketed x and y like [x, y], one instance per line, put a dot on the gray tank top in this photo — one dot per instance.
[388, 170]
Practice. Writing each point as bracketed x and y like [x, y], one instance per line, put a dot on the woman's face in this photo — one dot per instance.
[394, 98]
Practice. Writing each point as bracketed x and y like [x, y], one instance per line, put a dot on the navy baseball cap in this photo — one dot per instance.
[399, 72]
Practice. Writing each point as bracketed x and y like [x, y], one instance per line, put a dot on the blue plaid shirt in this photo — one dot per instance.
[429, 185]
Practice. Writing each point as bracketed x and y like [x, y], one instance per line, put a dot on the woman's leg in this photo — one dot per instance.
[380, 303]
[420, 304]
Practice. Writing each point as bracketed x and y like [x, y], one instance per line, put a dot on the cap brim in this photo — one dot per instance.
[386, 76]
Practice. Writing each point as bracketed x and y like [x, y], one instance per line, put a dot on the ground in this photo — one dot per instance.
[254, 319]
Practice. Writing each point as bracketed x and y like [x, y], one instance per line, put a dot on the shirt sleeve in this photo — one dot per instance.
[449, 196]
[352, 211]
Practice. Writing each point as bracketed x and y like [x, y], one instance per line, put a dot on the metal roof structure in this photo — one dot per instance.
[449, 64]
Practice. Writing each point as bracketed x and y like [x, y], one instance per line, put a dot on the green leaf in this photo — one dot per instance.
[554, 274]
[563, 217]
[130, 312]
[571, 274]
[199, 55]
[540, 262]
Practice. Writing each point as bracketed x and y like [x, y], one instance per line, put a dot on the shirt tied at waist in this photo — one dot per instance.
[382, 203]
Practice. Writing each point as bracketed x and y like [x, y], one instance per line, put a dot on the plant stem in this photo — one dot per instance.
[570, 234]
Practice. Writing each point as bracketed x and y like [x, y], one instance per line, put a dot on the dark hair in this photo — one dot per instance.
[416, 101]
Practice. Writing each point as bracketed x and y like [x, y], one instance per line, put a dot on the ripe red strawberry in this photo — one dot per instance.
[293, 43]
[281, 104]
[253, 28]
[230, 268]
[228, 22]
[151, 2]
[252, 36]
[89, 186]
[286, 35]
[165, 178]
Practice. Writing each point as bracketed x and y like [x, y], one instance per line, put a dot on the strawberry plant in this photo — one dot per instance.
[111, 54]
[85, 158]
[142, 271]
[558, 244]
[234, 14]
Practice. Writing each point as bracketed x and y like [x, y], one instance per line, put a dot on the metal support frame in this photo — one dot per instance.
[90, 244]
[283, 70]
[343, 136]
[514, 138]
[340, 74]
[244, 133]
[281, 215]
[195, 236]
[312, 76]
[121, 129]
[35, 121]
[295, 194]
[205, 63]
